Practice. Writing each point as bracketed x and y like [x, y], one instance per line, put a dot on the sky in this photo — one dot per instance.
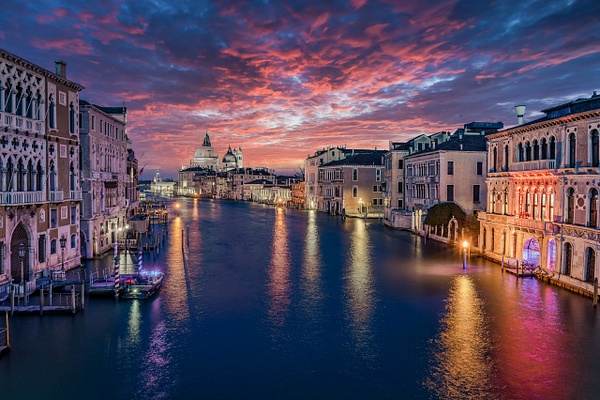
[282, 79]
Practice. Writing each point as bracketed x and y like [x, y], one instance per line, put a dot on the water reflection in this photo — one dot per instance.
[176, 276]
[133, 324]
[311, 272]
[279, 271]
[359, 288]
[462, 364]
[533, 353]
[155, 373]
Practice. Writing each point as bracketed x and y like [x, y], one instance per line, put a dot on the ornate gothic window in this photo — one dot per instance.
[568, 259]
[570, 205]
[544, 148]
[593, 208]
[552, 148]
[594, 148]
[590, 265]
[536, 150]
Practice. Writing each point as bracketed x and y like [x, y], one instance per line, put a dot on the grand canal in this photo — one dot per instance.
[277, 304]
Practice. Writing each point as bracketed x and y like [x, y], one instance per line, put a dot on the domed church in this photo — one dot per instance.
[232, 159]
[206, 156]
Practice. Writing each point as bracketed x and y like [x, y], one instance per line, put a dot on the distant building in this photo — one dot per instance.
[233, 159]
[352, 186]
[205, 156]
[393, 182]
[163, 188]
[543, 187]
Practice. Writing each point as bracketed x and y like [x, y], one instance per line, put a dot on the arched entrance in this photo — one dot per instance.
[551, 254]
[590, 265]
[19, 236]
[531, 253]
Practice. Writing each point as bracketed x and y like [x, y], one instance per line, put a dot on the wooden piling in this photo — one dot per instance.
[7, 330]
[50, 294]
[73, 298]
[42, 300]
[82, 295]
[595, 299]
[12, 300]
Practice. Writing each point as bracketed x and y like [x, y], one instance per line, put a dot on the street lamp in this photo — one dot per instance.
[63, 243]
[465, 244]
[21, 257]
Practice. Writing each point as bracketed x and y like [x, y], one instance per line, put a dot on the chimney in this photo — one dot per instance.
[61, 68]
[520, 113]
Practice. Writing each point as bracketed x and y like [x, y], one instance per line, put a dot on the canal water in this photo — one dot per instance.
[264, 303]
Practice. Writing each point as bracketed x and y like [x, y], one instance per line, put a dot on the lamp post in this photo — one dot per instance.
[63, 244]
[465, 244]
[21, 257]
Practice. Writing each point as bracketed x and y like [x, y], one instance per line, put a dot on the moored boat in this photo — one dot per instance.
[141, 285]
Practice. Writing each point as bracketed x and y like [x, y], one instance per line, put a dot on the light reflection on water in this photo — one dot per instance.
[176, 277]
[311, 271]
[462, 367]
[279, 270]
[359, 289]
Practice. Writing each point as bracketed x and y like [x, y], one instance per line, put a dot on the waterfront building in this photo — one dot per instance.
[238, 178]
[543, 183]
[40, 192]
[449, 169]
[393, 182]
[108, 163]
[132, 195]
[162, 187]
[298, 195]
[311, 169]
[352, 186]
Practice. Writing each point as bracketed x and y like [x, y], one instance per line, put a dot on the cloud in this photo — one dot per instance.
[282, 79]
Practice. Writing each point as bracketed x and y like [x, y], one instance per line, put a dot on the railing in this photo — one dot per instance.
[19, 122]
[76, 195]
[21, 198]
[533, 165]
[56, 197]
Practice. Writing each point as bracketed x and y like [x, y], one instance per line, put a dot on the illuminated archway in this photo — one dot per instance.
[531, 253]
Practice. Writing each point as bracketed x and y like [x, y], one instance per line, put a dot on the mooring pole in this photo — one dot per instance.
[12, 300]
[73, 298]
[42, 300]
[595, 300]
[82, 295]
[50, 294]
[7, 330]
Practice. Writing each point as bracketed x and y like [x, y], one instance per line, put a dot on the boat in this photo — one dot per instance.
[141, 285]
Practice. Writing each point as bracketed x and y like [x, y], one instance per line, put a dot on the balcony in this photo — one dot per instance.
[56, 197]
[75, 195]
[21, 198]
[19, 122]
[533, 165]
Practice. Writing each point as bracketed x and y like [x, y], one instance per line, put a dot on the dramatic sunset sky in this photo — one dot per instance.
[282, 79]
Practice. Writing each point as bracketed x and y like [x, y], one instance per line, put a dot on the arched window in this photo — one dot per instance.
[484, 242]
[506, 158]
[527, 151]
[594, 148]
[30, 176]
[544, 148]
[536, 150]
[528, 205]
[568, 258]
[10, 170]
[505, 205]
[552, 148]
[593, 208]
[52, 178]
[51, 113]
[39, 178]
[543, 210]
[534, 213]
[355, 174]
[570, 205]
[492, 241]
[590, 265]
[73, 241]
[572, 150]
[520, 152]
[494, 159]
[72, 118]
[72, 177]
[53, 246]
[20, 176]
[493, 201]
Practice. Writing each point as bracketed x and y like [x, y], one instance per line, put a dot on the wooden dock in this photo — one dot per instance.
[36, 309]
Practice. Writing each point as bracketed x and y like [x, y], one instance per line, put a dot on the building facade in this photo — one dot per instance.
[40, 192]
[543, 183]
[107, 174]
[352, 186]
[393, 178]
